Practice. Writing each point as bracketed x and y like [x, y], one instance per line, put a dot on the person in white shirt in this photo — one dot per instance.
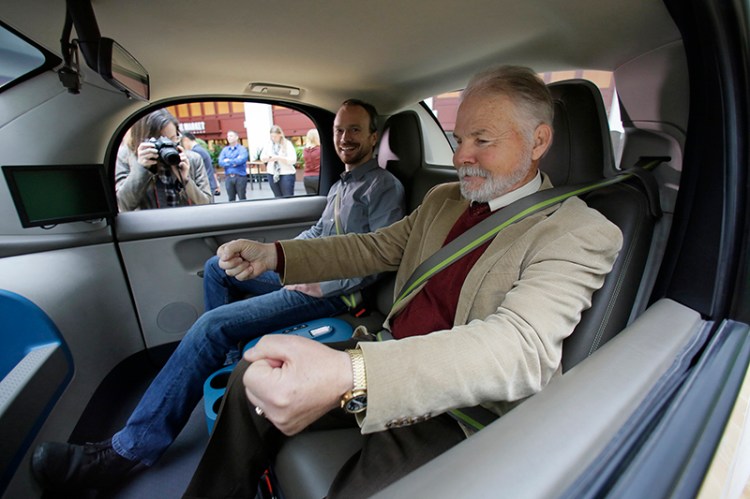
[279, 156]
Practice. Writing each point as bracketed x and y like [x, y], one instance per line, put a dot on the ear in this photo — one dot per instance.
[542, 141]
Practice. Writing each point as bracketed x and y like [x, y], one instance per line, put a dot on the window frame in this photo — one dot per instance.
[322, 119]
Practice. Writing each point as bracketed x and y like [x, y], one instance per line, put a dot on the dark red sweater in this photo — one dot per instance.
[434, 306]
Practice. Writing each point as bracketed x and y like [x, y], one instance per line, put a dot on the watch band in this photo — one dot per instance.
[354, 401]
[358, 369]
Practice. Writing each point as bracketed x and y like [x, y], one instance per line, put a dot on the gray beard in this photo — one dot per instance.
[494, 185]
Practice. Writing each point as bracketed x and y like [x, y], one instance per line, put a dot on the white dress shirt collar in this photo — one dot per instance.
[528, 188]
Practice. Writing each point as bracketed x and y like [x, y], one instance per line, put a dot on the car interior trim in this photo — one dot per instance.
[608, 387]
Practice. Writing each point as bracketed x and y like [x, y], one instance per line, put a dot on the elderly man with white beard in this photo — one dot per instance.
[487, 330]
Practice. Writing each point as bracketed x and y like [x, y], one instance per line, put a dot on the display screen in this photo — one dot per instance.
[49, 195]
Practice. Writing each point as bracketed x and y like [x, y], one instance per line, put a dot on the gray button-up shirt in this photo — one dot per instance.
[371, 198]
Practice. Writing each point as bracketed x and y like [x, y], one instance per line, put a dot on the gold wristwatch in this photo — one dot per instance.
[355, 400]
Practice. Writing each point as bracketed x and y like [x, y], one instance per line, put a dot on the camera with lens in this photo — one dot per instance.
[168, 153]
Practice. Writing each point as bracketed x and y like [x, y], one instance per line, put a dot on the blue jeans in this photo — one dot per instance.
[284, 187]
[176, 390]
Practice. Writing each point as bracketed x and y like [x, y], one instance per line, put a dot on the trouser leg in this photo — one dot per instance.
[311, 184]
[229, 184]
[220, 289]
[243, 445]
[239, 450]
[275, 187]
[242, 187]
[286, 185]
[389, 455]
[168, 402]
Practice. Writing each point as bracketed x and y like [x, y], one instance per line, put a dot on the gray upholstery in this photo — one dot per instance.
[581, 152]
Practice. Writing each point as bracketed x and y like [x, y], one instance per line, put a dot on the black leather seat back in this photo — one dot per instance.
[627, 206]
[401, 152]
[581, 148]
[581, 152]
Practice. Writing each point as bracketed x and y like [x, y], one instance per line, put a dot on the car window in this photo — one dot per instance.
[21, 58]
[237, 151]
[444, 106]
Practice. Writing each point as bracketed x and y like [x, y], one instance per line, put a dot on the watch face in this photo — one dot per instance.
[356, 404]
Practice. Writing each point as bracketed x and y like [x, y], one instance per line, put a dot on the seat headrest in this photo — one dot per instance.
[401, 150]
[581, 148]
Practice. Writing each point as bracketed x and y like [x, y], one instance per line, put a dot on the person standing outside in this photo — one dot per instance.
[233, 158]
[279, 156]
[144, 180]
[190, 144]
[311, 154]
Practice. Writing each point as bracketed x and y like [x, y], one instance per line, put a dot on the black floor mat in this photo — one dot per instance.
[109, 409]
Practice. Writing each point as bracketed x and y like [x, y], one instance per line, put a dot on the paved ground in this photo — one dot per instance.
[257, 190]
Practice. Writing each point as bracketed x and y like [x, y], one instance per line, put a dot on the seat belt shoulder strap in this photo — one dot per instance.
[491, 226]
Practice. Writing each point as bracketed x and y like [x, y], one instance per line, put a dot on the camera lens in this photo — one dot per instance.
[168, 152]
[170, 155]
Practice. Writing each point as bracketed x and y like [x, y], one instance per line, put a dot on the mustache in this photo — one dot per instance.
[472, 171]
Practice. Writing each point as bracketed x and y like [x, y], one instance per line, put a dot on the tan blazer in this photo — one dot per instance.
[521, 299]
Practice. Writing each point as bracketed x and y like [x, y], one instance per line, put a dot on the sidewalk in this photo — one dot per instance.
[258, 190]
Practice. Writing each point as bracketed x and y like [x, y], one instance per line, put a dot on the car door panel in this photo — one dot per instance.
[38, 240]
[163, 253]
[82, 294]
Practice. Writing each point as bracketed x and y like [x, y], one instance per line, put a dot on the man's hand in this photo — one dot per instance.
[244, 259]
[295, 380]
[312, 289]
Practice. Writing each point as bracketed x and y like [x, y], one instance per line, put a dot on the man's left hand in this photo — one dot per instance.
[312, 289]
[295, 380]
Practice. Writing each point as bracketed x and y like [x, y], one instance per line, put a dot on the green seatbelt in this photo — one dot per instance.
[491, 226]
[478, 417]
[351, 300]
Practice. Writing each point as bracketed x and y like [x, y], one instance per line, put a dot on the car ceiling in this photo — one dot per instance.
[391, 52]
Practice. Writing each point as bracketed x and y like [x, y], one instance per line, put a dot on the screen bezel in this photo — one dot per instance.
[107, 211]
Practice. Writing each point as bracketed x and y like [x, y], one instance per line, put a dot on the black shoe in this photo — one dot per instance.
[59, 466]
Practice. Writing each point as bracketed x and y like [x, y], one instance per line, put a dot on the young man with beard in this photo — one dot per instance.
[365, 199]
[486, 330]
